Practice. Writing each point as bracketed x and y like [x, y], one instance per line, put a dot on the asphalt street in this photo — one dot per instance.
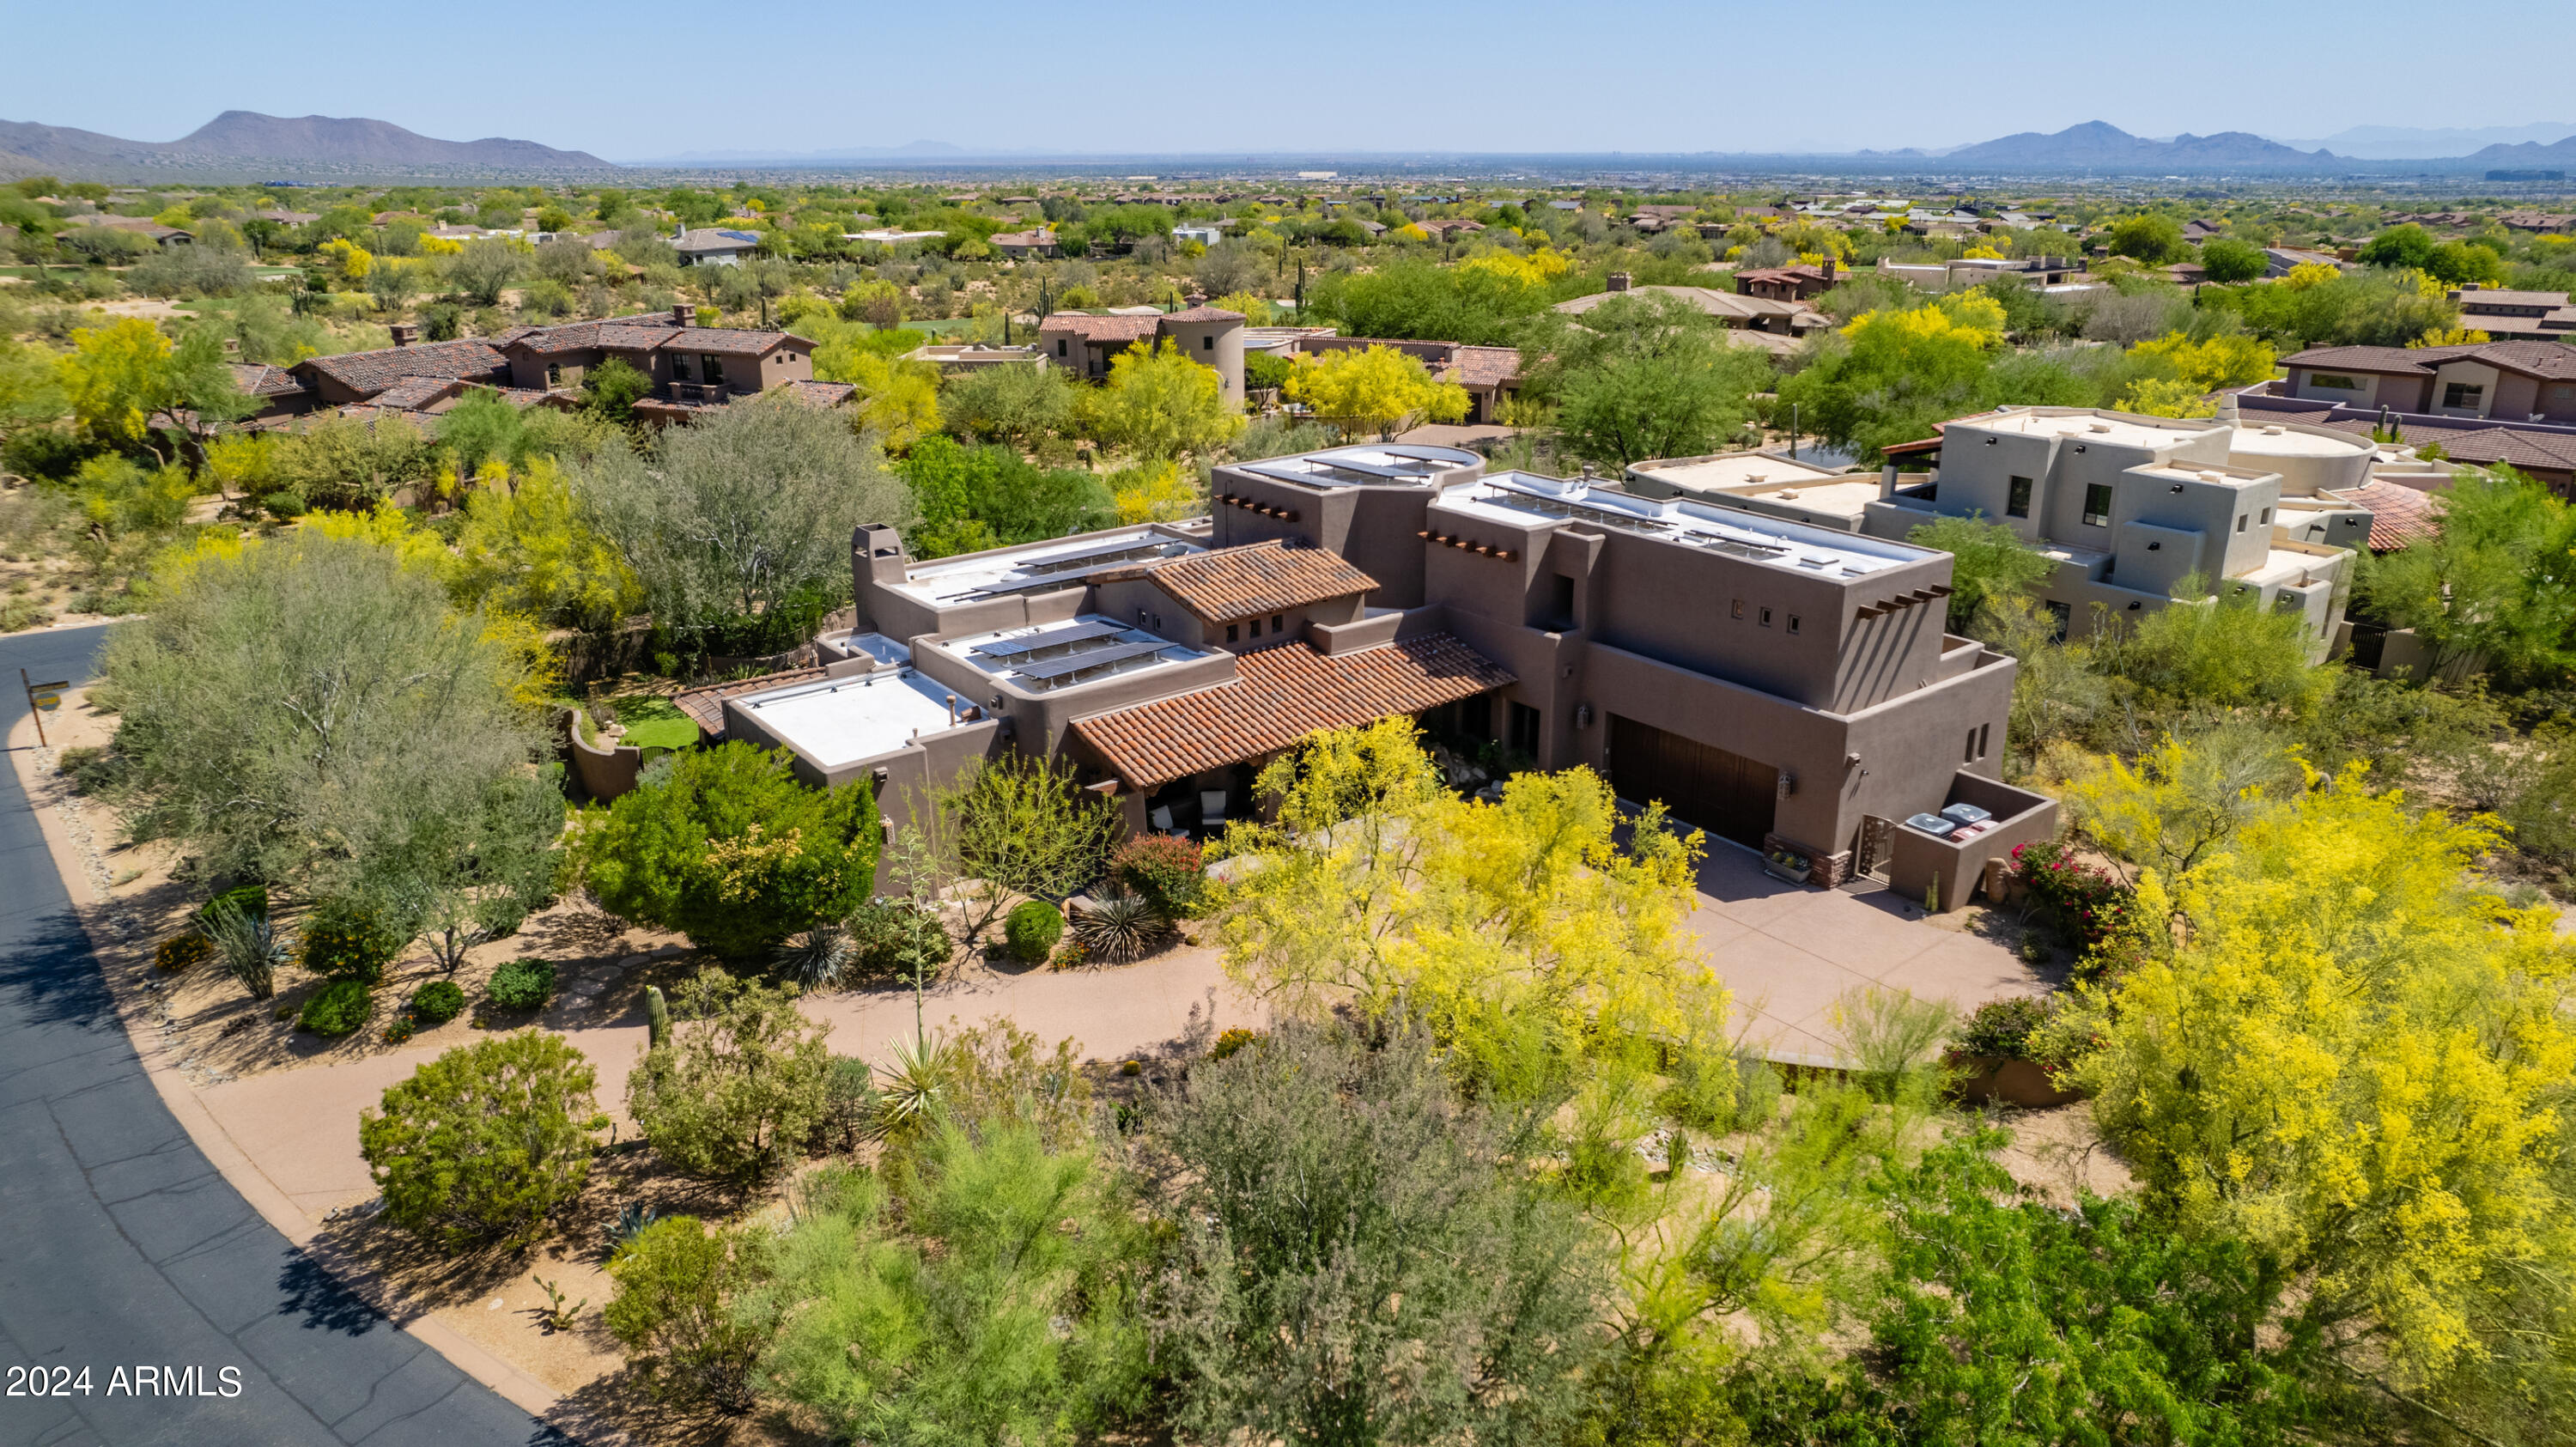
[122, 1248]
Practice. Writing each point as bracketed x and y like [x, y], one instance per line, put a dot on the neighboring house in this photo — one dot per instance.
[890, 236]
[1783, 687]
[954, 359]
[1204, 233]
[1023, 245]
[2517, 316]
[714, 246]
[143, 226]
[284, 217]
[2278, 260]
[2197, 231]
[1787, 320]
[1788, 283]
[279, 391]
[1488, 374]
[1977, 271]
[691, 367]
[1774, 484]
[2506, 381]
[1083, 342]
[1450, 229]
[2131, 506]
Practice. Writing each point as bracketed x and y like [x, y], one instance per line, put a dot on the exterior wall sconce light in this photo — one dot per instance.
[1583, 715]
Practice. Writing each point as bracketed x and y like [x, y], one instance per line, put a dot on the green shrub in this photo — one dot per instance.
[1032, 929]
[746, 1079]
[179, 952]
[337, 1008]
[677, 1310]
[521, 985]
[437, 1002]
[890, 935]
[1168, 870]
[849, 1105]
[349, 940]
[727, 847]
[250, 899]
[285, 504]
[484, 1143]
[2003, 1029]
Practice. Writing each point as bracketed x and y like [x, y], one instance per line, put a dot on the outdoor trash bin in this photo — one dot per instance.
[1966, 814]
[1932, 824]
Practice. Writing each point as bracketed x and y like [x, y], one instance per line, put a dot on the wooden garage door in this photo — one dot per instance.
[1724, 793]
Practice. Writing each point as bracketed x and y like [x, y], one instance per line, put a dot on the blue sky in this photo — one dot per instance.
[647, 78]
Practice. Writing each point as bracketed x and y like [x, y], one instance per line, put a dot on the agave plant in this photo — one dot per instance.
[1120, 928]
[631, 1220]
[818, 956]
[251, 948]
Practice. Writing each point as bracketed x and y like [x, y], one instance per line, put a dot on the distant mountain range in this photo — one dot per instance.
[244, 145]
[303, 147]
[2416, 143]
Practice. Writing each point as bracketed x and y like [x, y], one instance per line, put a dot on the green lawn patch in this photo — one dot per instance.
[655, 723]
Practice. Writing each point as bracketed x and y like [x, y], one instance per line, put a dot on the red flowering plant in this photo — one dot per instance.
[2095, 912]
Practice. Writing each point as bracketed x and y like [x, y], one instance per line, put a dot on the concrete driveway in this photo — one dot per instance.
[125, 1248]
[1788, 952]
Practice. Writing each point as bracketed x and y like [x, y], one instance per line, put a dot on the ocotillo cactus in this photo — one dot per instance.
[657, 1016]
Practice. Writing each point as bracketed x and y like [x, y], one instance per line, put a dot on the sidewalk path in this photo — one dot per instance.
[127, 1248]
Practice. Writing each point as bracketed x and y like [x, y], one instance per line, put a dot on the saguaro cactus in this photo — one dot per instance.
[657, 1016]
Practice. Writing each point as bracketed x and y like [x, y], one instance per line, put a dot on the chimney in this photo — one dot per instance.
[405, 334]
[1619, 281]
[683, 314]
[1829, 268]
[679, 231]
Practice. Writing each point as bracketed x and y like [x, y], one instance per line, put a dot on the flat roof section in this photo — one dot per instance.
[1061, 655]
[1732, 469]
[1393, 464]
[2110, 427]
[835, 722]
[2276, 440]
[1041, 567]
[1516, 497]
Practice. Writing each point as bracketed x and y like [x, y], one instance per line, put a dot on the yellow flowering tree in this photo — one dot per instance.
[1158, 404]
[116, 377]
[525, 549]
[2347, 1054]
[347, 259]
[1536, 945]
[1373, 389]
[2225, 361]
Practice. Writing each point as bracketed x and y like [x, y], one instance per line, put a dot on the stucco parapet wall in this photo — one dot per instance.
[604, 773]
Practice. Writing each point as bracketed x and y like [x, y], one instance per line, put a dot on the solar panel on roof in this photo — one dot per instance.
[1014, 647]
[1056, 669]
[1039, 584]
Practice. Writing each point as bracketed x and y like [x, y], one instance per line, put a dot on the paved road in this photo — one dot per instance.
[120, 1246]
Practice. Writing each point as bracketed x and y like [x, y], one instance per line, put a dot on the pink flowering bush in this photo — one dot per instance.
[2094, 911]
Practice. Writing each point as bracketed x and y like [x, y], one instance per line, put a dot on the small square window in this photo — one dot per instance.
[1234, 633]
[1970, 756]
[1793, 622]
[1059, 346]
[2267, 517]
[2097, 504]
[1278, 623]
[1207, 344]
[1256, 627]
[2240, 522]
[2017, 498]
[1766, 617]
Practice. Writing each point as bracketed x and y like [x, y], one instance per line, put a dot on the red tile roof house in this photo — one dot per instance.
[1488, 374]
[1789, 283]
[691, 367]
[1779, 686]
[1083, 343]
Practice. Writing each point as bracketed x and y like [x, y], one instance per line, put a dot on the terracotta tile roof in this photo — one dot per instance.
[1488, 366]
[1231, 583]
[705, 706]
[2398, 515]
[2538, 359]
[818, 394]
[258, 379]
[367, 373]
[729, 341]
[412, 393]
[1102, 329]
[2484, 446]
[1279, 696]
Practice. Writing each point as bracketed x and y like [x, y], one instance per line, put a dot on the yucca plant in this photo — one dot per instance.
[817, 957]
[251, 948]
[1120, 928]
[916, 1080]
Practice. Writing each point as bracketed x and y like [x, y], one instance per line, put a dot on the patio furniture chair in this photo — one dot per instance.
[1162, 817]
[1211, 808]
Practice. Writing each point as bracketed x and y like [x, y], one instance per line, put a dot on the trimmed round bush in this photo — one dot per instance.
[180, 952]
[487, 1142]
[337, 1008]
[437, 1002]
[521, 984]
[344, 940]
[1032, 929]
